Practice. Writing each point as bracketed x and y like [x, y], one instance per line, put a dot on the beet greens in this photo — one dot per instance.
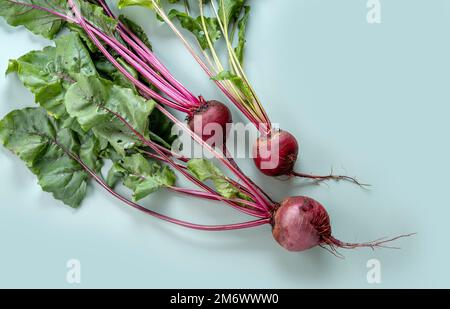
[97, 103]
[125, 46]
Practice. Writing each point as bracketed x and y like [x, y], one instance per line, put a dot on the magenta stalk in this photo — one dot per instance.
[257, 195]
[261, 211]
[152, 94]
[141, 67]
[263, 125]
[146, 54]
[211, 228]
[214, 197]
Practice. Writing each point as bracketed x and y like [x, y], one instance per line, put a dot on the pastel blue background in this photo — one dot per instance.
[368, 100]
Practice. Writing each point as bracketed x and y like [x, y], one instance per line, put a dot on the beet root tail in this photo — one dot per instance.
[332, 244]
[330, 177]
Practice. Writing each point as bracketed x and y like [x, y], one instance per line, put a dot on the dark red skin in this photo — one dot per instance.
[211, 112]
[276, 155]
[301, 223]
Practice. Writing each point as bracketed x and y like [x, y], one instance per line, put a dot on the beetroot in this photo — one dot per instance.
[301, 223]
[211, 121]
[276, 155]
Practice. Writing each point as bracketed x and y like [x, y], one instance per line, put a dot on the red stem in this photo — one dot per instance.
[172, 154]
[136, 82]
[167, 88]
[211, 228]
[159, 158]
[257, 195]
[232, 161]
[154, 61]
[142, 68]
[259, 123]
[206, 195]
[80, 20]
[144, 52]
[262, 211]
[142, 138]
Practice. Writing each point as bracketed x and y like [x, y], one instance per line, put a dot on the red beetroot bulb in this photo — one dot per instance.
[211, 122]
[301, 223]
[276, 154]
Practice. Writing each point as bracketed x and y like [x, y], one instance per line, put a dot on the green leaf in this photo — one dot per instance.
[205, 170]
[19, 13]
[195, 26]
[140, 175]
[71, 123]
[40, 73]
[237, 81]
[108, 71]
[161, 129]
[90, 150]
[242, 25]
[50, 72]
[84, 37]
[109, 152]
[13, 66]
[89, 100]
[136, 29]
[116, 174]
[73, 57]
[96, 16]
[145, 3]
[44, 146]
[36, 16]
[229, 10]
